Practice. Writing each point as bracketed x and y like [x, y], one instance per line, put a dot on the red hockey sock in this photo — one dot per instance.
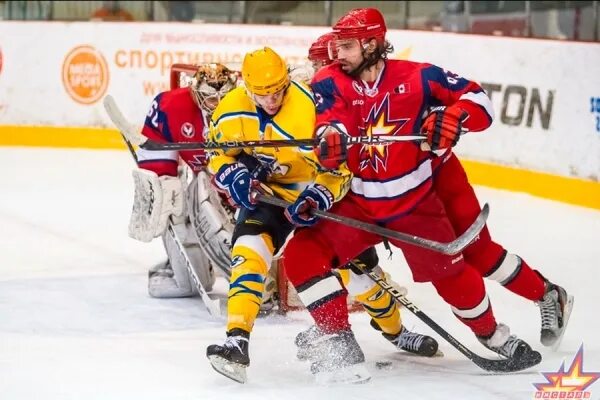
[320, 291]
[465, 292]
[527, 283]
[332, 315]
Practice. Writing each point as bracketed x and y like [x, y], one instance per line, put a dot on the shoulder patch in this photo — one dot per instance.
[325, 91]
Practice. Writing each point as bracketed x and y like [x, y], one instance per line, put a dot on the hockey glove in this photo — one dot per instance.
[333, 146]
[235, 181]
[314, 197]
[443, 126]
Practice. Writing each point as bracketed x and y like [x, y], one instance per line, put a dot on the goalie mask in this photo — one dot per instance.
[212, 82]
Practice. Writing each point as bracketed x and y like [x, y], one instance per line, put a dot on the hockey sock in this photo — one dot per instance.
[250, 256]
[512, 272]
[465, 292]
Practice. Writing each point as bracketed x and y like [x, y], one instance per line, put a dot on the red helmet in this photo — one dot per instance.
[318, 50]
[361, 23]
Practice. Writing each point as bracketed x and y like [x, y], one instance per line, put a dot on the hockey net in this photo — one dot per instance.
[182, 75]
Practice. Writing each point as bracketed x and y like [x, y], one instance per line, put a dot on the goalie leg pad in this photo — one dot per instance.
[198, 259]
[162, 283]
[211, 221]
[155, 200]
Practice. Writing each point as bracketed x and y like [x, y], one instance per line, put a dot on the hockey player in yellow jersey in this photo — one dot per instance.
[268, 106]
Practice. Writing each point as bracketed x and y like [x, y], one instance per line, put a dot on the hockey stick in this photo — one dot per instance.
[449, 248]
[213, 306]
[506, 365]
[134, 136]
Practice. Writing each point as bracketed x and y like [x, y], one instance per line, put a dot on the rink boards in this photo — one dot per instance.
[546, 95]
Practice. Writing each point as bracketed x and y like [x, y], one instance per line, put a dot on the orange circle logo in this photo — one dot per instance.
[85, 74]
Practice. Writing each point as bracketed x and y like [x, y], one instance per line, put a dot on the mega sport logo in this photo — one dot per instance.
[85, 74]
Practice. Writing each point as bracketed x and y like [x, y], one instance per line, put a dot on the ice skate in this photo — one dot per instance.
[338, 358]
[231, 359]
[555, 310]
[412, 342]
[511, 347]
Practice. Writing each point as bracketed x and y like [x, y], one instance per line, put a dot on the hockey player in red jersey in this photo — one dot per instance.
[162, 190]
[384, 310]
[363, 93]
[318, 52]
[451, 184]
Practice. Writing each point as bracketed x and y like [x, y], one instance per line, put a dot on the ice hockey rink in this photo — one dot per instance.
[76, 321]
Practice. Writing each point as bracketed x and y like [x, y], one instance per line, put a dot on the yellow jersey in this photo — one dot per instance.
[237, 118]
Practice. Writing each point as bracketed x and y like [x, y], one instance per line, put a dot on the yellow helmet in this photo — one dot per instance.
[264, 72]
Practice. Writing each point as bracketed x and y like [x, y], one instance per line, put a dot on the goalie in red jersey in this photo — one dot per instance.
[363, 93]
[162, 189]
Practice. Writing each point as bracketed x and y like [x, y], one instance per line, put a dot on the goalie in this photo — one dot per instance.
[165, 189]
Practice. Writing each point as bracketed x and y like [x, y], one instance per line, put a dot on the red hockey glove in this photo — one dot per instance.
[443, 126]
[333, 146]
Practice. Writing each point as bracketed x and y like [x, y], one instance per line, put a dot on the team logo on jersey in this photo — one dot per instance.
[358, 88]
[197, 161]
[379, 122]
[187, 129]
[271, 164]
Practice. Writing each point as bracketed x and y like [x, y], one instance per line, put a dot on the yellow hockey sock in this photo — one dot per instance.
[378, 303]
[250, 257]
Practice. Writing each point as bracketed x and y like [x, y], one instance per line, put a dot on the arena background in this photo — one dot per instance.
[537, 61]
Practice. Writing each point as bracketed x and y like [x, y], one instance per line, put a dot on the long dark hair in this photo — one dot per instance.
[380, 53]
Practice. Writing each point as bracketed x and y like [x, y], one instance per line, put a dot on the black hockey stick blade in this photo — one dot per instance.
[450, 248]
[500, 365]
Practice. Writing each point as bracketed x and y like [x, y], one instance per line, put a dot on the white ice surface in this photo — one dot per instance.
[76, 321]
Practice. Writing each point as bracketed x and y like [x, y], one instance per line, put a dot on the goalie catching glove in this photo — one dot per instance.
[155, 200]
[313, 197]
[443, 126]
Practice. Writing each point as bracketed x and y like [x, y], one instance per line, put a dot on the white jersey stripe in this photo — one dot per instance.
[481, 99]
[149, 155]
[392, 188]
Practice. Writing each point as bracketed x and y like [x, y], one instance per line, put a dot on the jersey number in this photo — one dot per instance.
[153, 114]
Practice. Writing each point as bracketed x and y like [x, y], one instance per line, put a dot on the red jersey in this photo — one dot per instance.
[390, 180]
[173, 117]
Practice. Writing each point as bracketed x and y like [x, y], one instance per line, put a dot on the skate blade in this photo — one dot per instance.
[437, 354]
[357, 373]
[229, 369]
[567, 315]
